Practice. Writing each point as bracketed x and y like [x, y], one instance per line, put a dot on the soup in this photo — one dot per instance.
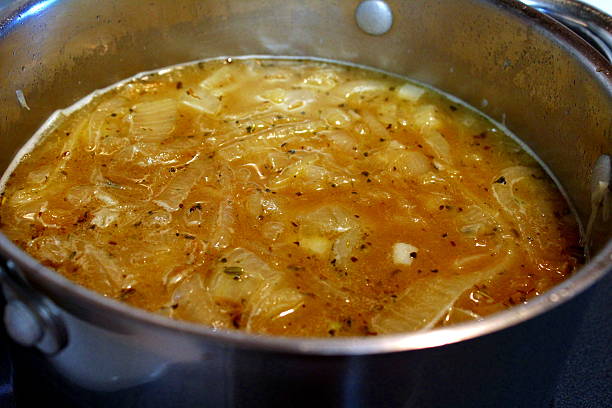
[290, 197]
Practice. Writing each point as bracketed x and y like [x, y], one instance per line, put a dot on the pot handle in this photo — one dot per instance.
[30, 319]
[594, 26]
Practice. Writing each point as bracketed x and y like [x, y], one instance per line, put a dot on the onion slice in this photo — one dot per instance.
[427, 300]
[153, 121]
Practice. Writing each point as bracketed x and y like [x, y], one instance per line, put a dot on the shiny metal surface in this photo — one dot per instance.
[21, 324]
[521, 68]
[30, 318]
[588, 22]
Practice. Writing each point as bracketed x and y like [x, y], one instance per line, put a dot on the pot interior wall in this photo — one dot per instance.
[487, 53]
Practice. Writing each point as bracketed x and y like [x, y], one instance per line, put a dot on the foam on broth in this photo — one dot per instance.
[289, 197]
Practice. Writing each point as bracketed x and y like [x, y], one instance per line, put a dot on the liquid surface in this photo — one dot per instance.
[293, 198]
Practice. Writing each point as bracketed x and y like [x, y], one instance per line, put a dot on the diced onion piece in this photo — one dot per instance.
[410, 92]
[347, 89]
[468, 261]
[202, 102]
[413, 163]
[317, 244]
[153, 121]
[279, 302]
[403, 253]
[181, 185]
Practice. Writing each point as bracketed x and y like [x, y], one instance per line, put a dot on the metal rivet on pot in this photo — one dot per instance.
[21, 324]
[374, 17]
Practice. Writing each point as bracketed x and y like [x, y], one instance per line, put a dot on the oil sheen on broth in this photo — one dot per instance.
[295, 198]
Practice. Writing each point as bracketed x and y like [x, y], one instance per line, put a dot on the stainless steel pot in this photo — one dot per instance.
[515, 64]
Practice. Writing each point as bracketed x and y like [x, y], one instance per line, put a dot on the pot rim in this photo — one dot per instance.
[585, 277]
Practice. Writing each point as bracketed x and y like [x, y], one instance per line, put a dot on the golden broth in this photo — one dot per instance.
[293, 198]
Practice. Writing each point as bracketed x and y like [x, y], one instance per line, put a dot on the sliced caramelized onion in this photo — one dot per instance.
[377, 129]
[289, 100]
[181, 185]
[532, 217]
[503, 191]
[105, 125]
[347, 89]
[202, 101]
[218, 79]
[273, 304]
[306, 172]
[397, 161]
[322, 79]
[336, 117]
[327, 220]
[428, 299]
[223, 228]
[331, 225]
[192, 301]
[105, 268]
[340, 140]
[439, 145]
[153, 121]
